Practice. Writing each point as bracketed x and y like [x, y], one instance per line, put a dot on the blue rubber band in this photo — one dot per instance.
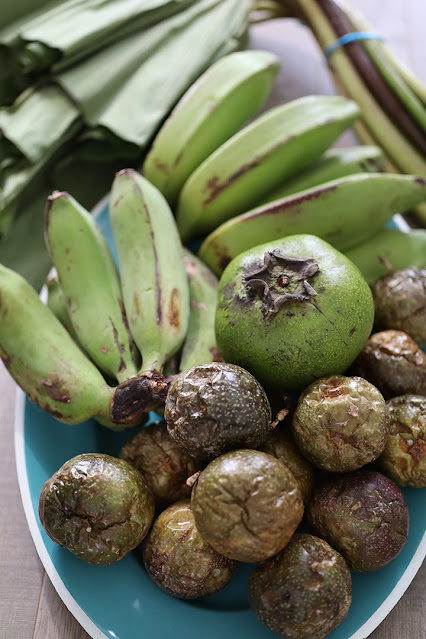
[350, 37]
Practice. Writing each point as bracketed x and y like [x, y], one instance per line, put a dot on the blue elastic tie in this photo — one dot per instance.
[350, 37]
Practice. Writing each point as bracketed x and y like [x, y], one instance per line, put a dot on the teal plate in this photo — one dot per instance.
[120, 602]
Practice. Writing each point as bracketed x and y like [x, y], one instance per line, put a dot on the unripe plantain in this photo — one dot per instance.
[257, 159]
[154, 283]
[91, 285]
[333, 164]
[42, 358]
[389, 247]
[200, 342]
[344, 212]
[215, 107]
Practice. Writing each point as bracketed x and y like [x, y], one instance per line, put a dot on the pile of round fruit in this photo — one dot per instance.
[241, 457]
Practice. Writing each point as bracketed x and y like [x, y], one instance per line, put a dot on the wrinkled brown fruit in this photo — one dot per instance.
[280, 444]
[303, 592]
[400, 302]
[392, 362]
[164, 465]
[178, 560]
[404, 457]
[341, 423]
[363, 515]
[247, 505]
[96, 506]
[213, 408]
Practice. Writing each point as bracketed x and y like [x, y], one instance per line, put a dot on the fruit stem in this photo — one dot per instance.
[138, 395]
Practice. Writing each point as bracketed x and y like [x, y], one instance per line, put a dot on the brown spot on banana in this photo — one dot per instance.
[54, 390]
[214, 187]
[174, 309]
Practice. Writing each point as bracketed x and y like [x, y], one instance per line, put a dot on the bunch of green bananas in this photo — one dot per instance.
[99, 347]
[104, 345]
[277, 176]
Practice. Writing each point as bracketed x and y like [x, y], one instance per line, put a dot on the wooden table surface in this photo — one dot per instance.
[29, 606]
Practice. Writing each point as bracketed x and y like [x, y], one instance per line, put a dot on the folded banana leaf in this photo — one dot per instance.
[12, 11]
[104, 111]
[65, 32]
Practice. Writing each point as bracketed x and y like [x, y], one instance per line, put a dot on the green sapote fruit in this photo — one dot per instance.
[293, 311]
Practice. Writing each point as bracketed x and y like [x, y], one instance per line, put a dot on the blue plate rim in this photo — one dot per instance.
[78, 613]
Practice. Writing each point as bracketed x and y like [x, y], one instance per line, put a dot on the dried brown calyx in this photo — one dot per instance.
[282, 279]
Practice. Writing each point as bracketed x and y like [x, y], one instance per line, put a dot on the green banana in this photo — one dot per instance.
[57, 303]
[333, 164]
[200, 342]
[42, 358]
[91, 285]
[389, 248]
[217, 105]
[254, 161]
[154, 283]
[343, 212]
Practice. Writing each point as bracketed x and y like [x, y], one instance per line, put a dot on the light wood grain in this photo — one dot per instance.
[20, 570]
[29, 606]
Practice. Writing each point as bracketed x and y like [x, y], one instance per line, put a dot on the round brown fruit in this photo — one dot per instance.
[303, 592]
[247, 505]
[404, 457]
[96, 506]
[341, 423]
[179, 561]
[363, 515]
[164, 465]
[213, 408]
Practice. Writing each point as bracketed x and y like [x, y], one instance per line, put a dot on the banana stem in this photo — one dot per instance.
[138, 395]
[407, 76]
[388, 136]
[377, 53]
[373, 80]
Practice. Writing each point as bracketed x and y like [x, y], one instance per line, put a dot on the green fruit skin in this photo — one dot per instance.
[304, 340]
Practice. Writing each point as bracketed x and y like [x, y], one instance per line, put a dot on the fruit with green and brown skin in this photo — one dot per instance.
[280, 443]
[247, 505]
[400, 302]
[164, 465]
[341, 423]
[96, 506]
[404, 456]
[179, 561]
[292, 311]
[363, 515]
[393, 362]
[216, 407]
[303, 592]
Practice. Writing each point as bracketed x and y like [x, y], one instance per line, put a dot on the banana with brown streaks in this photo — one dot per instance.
[258, 158]
[344, 212]
[154, 283]
[91, 286]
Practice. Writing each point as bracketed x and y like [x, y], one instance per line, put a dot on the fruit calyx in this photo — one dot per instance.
[282, 279]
